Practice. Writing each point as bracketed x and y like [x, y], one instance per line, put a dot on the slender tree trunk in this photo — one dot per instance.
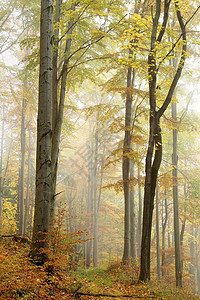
[192, 258]
[126, 162]
[197, 262]
[89, 201]
[27, 203]
[139, 227]
[95, 244]
[198, 280]
[18, 201]
[149, 193]
[178, 262]
[157, 235]
[132, 214]
[184, 221]
[22, 168]
[39, 245]
[55, 108]
[150, 170]
[59, 108]
[1, 167]
[164, 225]
[155, 154]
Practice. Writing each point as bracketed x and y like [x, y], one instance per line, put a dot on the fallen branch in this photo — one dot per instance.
[76, 295]
[18, 238]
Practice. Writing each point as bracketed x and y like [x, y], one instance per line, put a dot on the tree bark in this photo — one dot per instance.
[27, 202]
[132, 215]
[149, 193]
[22, 168]
[178, 262]
[1, 168]
[126, 162]
[58, 108]
[154, 152]
[157, 235]
[89, 200]
[39, 245]
[139, 227]
[95, 244]
[151, 173]
[164, 225]
[192, 258]
[55, 108]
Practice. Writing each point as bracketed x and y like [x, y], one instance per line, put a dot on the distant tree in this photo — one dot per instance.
[22, 168]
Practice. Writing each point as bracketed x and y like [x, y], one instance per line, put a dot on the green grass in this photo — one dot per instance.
[119, 279]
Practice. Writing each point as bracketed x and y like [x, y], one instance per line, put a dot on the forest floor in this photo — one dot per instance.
[20, 279]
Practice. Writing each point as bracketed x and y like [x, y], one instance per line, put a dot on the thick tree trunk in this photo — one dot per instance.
[39, 245]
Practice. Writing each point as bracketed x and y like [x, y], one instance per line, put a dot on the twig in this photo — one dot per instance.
[77, 289]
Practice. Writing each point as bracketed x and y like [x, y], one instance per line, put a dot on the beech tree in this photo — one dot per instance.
[70, 50]
[154, 152]
[44, 136]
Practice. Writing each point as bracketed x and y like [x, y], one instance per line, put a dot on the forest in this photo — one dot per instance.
[99, 149]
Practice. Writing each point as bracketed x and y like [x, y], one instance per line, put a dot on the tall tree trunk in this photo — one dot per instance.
[39, 245]
[157, 235]
[26, 213]
[126, 162]
[154, 152]
[184, 221]
[164, 225]
[22, 168]
[90, 199]
[139, 227]
[1, 167]
[192, 258]
[149, 193]
[178, 263]
[150, 170]
[95, 244]
[57, 116]
[197, 261]
[55, 108]
[132, 214]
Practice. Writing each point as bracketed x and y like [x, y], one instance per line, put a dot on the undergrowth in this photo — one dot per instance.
[20, 279]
